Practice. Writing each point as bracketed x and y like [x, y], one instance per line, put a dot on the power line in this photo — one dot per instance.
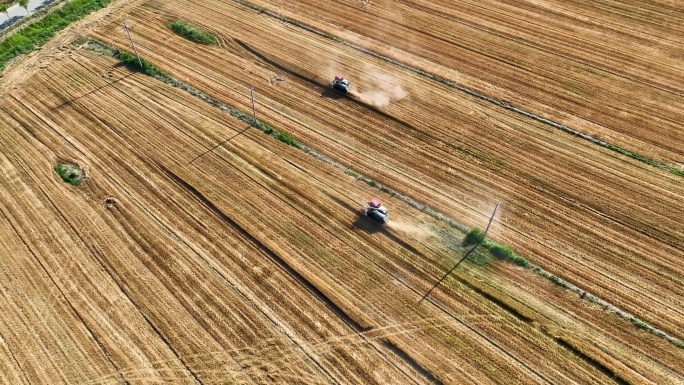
[464, 257]
[251, 93]
[126, 27]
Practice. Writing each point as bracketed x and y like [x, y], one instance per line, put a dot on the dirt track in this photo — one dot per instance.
[213, 266]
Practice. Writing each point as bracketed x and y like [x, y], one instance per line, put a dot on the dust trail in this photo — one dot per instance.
[409, 229]
[378, 88]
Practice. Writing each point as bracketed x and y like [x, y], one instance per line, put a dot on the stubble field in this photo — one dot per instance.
[200, 250]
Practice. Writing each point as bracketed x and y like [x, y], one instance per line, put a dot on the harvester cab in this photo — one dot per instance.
[340, 83]
[376, 211]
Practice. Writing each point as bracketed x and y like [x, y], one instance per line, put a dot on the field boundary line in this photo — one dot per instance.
[451, 84]
[98, 46]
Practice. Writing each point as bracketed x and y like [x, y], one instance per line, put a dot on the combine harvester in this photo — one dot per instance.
[340, 83]
[376, 211]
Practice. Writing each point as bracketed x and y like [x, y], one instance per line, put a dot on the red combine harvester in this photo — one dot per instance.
[340, 84]
[376, 211]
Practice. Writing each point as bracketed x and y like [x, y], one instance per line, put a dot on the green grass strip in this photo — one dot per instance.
[40, 32]
[192, 33]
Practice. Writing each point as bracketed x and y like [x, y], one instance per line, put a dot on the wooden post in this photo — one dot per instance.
[126, 27]
[251, 93]
[462, 259]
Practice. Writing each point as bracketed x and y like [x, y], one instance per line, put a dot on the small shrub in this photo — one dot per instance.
[504, 252]
[70, 173]
[193, 33]
[474, 236]
[501, 252]
[80, 40]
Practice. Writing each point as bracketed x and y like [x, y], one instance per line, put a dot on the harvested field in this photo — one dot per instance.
[611, 69]
[200, 250]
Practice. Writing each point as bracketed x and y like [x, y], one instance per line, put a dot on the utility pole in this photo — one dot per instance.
[464, 257]
[126, 27]
[251, 93]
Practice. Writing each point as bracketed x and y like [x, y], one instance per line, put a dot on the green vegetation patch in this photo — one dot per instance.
[474, 236]
[38, 33]
[192, 33]
[558, 281]
[70, 173]
[480, 259]
[641, 324]
[501, 252]
[268, 130]
[505, 252]
[142, 65]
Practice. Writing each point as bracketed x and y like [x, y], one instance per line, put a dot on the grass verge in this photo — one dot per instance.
[192, 33]
[37, 34]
